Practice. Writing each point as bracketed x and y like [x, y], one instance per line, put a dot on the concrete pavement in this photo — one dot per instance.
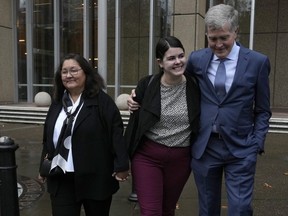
[271, 182]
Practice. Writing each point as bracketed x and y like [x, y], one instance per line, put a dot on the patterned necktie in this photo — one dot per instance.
[64, 140]
[220, 79]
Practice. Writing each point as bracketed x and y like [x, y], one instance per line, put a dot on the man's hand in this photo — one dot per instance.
[132, 105]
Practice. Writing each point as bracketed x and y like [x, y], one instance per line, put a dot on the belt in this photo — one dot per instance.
[216, 135]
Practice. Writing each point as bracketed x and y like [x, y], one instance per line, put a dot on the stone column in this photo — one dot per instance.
[6, 53]
[188, 23]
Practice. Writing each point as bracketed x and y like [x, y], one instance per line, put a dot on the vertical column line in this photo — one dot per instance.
[56, 23]
[15, 8]
[252, 21]
[86, 30]
[151, 38]
[102, 39]
[117, 47]
[29, 49]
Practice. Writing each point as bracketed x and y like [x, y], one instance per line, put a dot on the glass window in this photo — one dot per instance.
[21, 55]
[93, 33]
[135, 32]
[71, 26]
[43, 46]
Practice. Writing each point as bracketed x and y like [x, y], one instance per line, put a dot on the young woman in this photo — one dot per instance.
[161, 131]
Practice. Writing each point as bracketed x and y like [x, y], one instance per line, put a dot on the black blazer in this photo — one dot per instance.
[98, 147]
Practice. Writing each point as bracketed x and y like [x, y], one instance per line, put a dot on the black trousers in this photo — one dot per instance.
[64, 201]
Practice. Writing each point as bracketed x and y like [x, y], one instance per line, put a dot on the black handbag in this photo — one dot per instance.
[45, 169]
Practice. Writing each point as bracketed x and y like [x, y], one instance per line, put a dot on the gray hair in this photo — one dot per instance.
[218, 15]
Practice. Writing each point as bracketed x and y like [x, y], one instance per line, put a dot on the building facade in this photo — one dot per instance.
[118, 38]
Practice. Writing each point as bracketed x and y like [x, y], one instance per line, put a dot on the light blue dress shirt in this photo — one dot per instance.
[230, 65]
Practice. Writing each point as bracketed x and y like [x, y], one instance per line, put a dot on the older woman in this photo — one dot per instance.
[83, 139]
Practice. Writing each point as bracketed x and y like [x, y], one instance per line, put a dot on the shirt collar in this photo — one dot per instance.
[233, 55]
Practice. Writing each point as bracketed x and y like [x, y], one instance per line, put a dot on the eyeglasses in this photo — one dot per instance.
[72, 71]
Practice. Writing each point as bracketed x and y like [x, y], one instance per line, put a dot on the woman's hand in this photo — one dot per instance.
[41, 179]
[121, 176]
[132, 105]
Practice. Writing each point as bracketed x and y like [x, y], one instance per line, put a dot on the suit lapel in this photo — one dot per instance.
[205, 62]
[241, 67]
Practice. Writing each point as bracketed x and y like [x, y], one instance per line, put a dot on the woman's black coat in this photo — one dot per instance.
[98, 147]
[149, 113]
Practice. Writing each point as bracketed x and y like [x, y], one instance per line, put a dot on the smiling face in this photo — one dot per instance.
[221, 40]
[173, 62]
[73, 77]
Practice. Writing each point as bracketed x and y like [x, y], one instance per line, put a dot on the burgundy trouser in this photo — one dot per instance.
[159, 175]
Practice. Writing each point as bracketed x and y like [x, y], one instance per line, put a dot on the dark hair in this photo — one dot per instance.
[165, 43]
[93, 84]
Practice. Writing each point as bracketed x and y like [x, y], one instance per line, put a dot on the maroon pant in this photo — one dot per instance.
[159, 175]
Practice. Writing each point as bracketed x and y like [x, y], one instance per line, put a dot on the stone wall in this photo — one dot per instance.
[6, 56]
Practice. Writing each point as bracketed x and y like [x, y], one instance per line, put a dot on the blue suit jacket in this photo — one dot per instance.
[243, 115]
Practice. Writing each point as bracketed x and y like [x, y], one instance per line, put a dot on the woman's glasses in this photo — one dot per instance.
[72, 71]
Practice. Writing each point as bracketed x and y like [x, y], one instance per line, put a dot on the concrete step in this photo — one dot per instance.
[23, 114]
[278, 125]
[37, 115]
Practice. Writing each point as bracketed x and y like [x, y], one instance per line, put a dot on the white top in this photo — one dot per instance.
[230, 65]
[57, 129]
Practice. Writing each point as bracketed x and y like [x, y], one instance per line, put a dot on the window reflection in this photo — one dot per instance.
[22, 66]
[134, 39]
[71, 26]
[43, 45]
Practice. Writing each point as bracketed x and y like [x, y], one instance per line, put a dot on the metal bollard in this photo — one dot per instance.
[9, 203]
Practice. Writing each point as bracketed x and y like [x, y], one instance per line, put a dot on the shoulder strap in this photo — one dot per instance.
[151, 78]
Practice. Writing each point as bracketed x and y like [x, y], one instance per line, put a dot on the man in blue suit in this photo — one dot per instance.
[233, 126]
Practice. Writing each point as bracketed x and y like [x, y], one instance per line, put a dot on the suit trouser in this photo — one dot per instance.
[239, 179]
[159, 175]
[64, 203]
